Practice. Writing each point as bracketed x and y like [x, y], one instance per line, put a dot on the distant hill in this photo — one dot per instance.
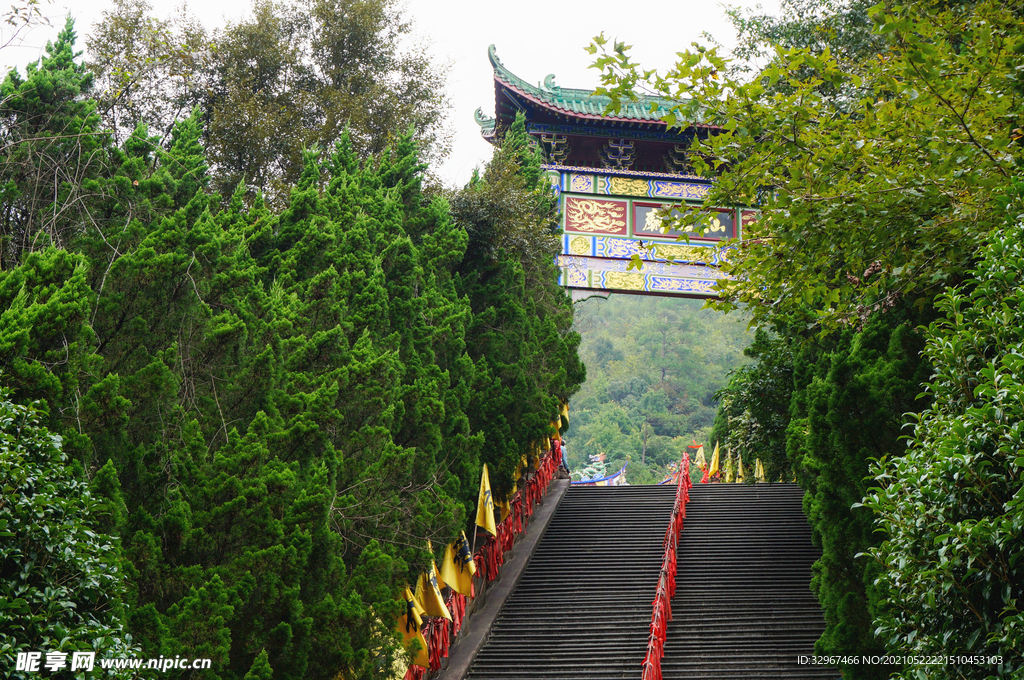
[653, 367]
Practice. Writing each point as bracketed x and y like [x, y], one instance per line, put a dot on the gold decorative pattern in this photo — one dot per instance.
[582, 183]
[624, 280]
[679, 190]
[682, 285]
[590, 215]
[629, 187]
[684, 253]
[579, 246]
[671, 176]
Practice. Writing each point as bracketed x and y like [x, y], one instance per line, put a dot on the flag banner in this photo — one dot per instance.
[457, 570]
[409, 623]
[449, 570]
[485, 505]
[464, 557]
[714, 462]
[437, 574]
[739, 475]
[429, 595]
[759, 471]
[702, 464]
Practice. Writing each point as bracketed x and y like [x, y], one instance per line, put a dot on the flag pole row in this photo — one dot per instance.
[446, 616]
[662, 612]
[711, 471]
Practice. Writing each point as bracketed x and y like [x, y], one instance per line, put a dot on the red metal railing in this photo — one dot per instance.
[440, 632]
[662, 613]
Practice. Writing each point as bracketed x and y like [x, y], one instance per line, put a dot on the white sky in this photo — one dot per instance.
[533, 38]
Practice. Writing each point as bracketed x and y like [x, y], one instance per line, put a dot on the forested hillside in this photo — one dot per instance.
[653, 367]
[229, 426]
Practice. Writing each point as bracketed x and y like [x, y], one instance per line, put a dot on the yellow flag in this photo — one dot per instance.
[409, 623]
[437, 574]
[555, 426]
[455, 578]
[739, 477]
[485, 505]
[714, 462]
[459, 571]
[429, 594]
[449, 572]
[564, 413]
[729, 472]
[699, 459]
[463, 555]
[759, 471]
[505, 508]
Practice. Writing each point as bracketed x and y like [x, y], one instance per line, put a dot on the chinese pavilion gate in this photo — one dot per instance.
[613, 173]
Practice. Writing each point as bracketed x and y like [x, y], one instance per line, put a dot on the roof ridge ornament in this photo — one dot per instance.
[492, 55]
[549, 83]
[482, 119]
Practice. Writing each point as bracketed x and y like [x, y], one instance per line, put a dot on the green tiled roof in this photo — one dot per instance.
[579, 102]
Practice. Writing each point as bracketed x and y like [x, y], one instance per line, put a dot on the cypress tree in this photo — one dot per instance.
[277, 411]
[520, 334]
[847, 410]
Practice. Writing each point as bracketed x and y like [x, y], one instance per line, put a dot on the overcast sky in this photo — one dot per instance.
[533, 38]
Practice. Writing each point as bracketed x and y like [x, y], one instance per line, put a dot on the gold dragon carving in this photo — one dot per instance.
[595, 216]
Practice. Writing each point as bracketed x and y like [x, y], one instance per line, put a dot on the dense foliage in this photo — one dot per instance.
[654, 366]
[953, 506]
[60, 585]
[276, 408]
[753, 412]
[913, 153]
[520, 335]
[878, 141]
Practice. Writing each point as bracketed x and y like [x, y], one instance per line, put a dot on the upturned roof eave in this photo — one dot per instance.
[541, 98]
[609, 118]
